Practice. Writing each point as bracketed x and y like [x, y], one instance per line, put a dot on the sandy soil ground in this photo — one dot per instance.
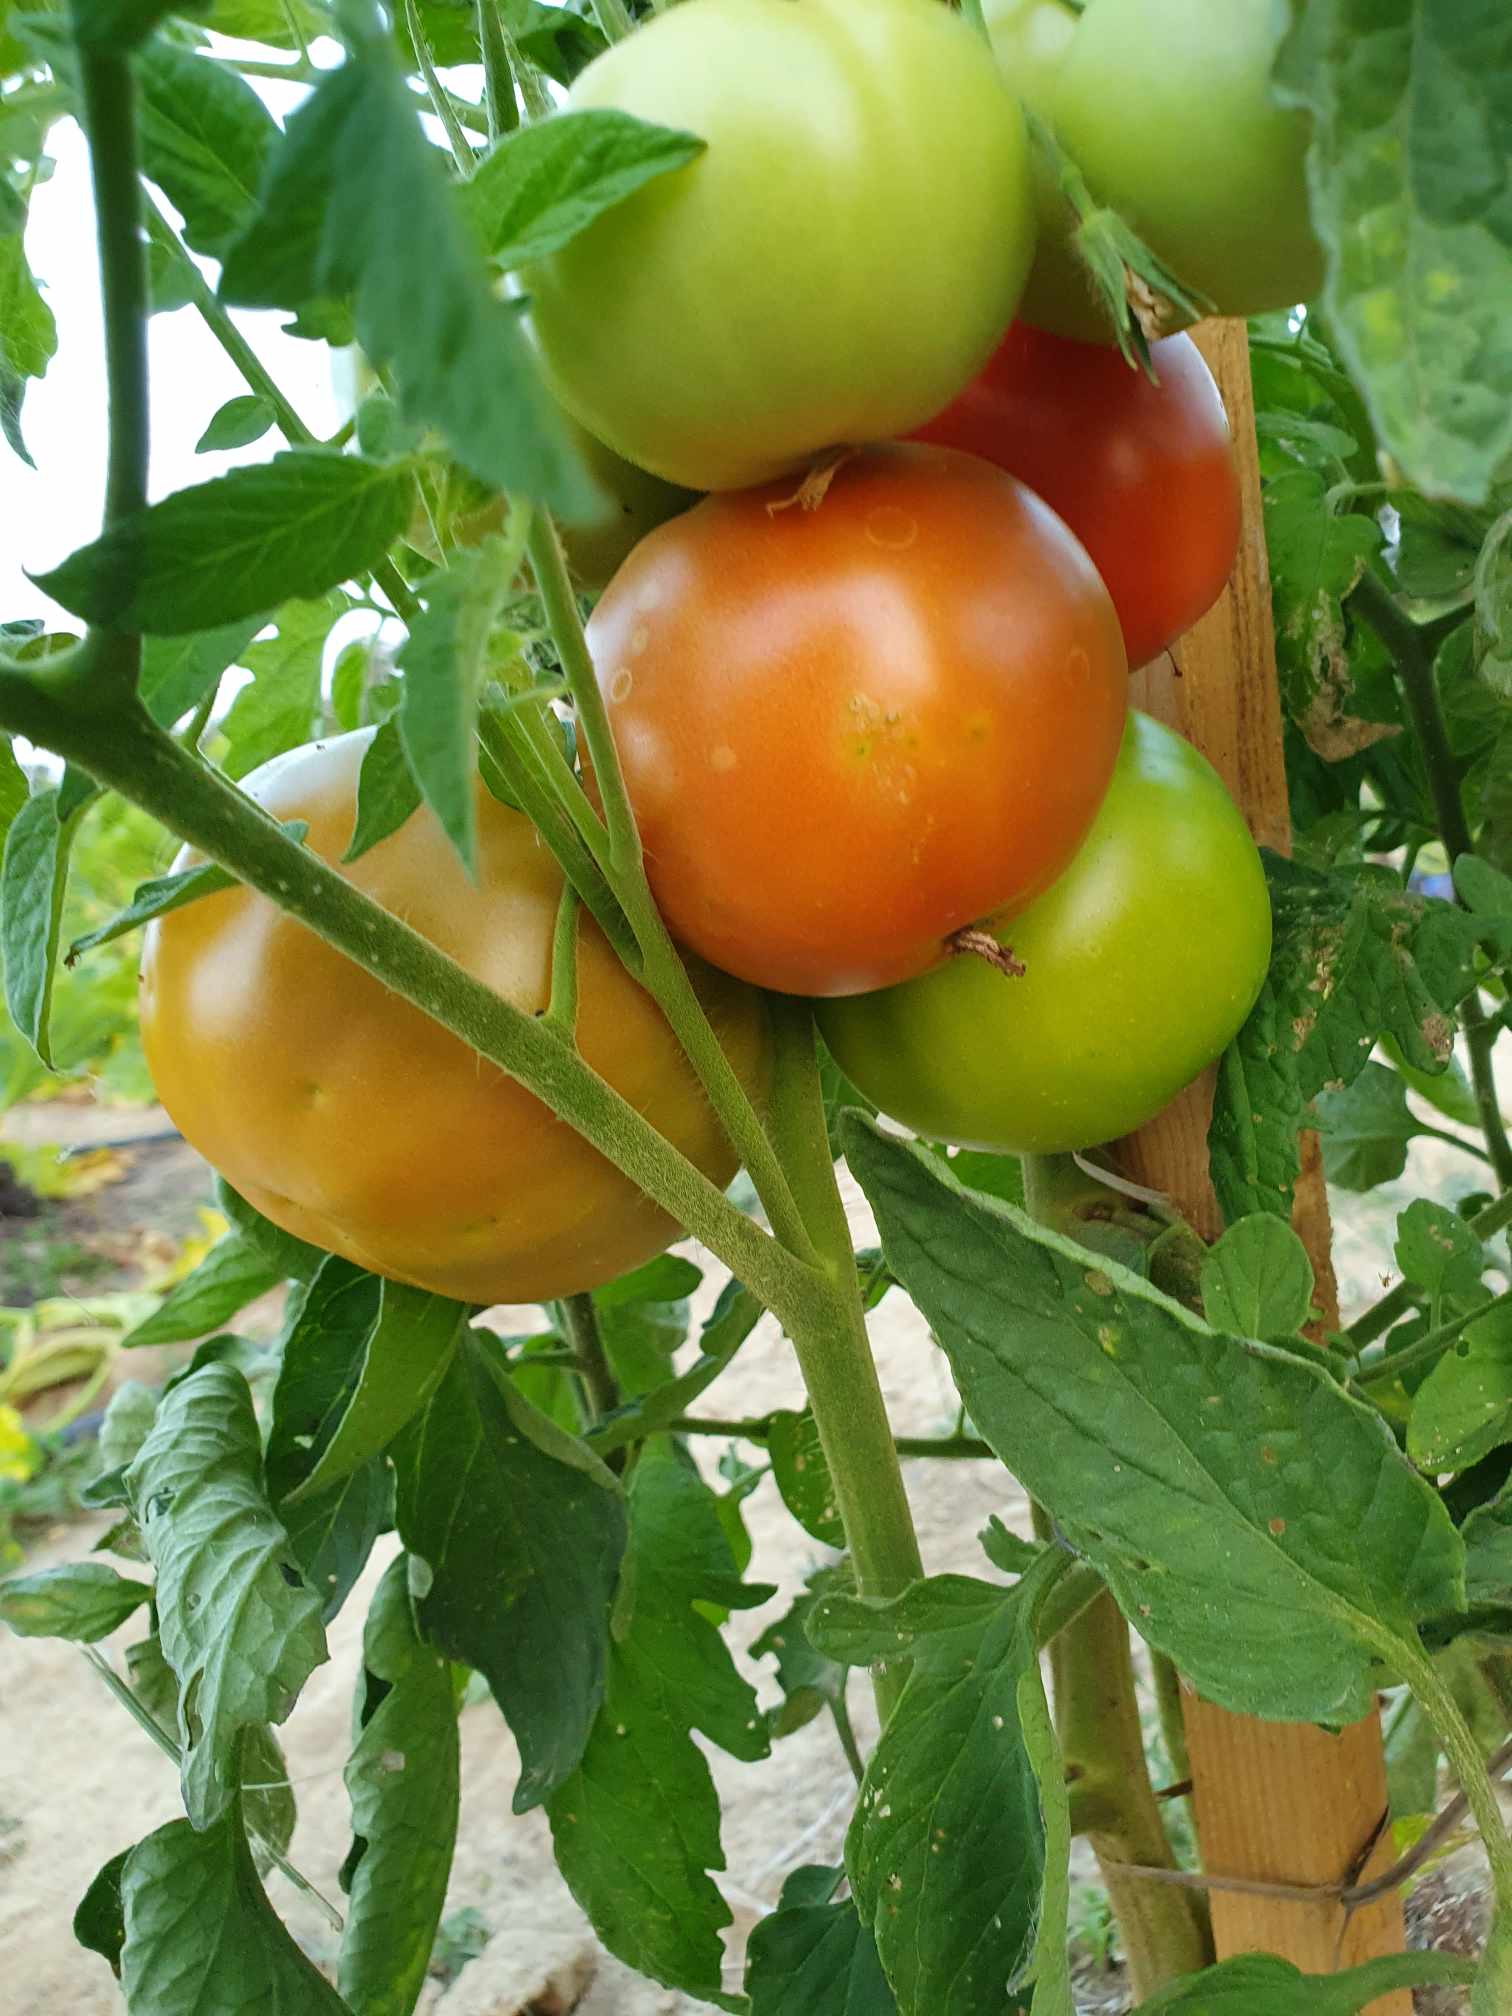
[78, 1780]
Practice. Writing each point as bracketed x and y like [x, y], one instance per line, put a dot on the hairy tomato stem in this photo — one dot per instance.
[832, 1347]
[662, 971]
[123, 749]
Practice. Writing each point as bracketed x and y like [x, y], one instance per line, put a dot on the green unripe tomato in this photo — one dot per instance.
[1141, 963]
[1031, 40]
[635, 503]
[1165, 106]
[832, 269]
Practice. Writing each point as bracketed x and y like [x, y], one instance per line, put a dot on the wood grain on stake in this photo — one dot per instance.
[1279, 1802]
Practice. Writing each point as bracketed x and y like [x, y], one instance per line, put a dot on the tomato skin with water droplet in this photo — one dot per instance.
[1142, 473]
[1140, 965]
[352, 1120]
[849, 730]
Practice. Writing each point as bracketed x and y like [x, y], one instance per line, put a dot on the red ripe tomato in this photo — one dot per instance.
[850, 727]
[1143, 474]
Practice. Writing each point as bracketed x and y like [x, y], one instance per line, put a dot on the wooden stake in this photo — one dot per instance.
[1281, 1802]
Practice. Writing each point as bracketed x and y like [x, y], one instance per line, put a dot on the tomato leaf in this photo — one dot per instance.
[802, 1475]
[870, 1630]
[403, 1779]
[1407, 112]
[523, 1554]
[1257, 1281]
[280, 707]
[236, 424]
[99, 1924]
[233, 1273]
[386, 791]
[813, 1958]
[290, 1258]
[408, 1349]
[33, 883]
[950, 1847]
[202, 1937]
[1437, 1252]
[356, 204]
[808, 1679]
[165, 893]
[638, 1867]
[177, 672]
[1487, 1534]
[1218, 1484]
[543, 184]
[28, 336]
[444, 660]
[555, 39]
[1463, 1409]
[205, 137]
[84, 1601]
[326, 1336]
[14, 790]
[1258, 1984]
[1355, 957]
[240, 1626]
[241, 543]
[1365, 1129]
[1317, 554]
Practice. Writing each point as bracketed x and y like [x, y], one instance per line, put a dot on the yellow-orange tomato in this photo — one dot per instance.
[848, 728]
[349, 1118]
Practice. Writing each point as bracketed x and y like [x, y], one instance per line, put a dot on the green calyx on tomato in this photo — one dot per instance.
[852, 727]
[830, 270]
[1140, 964]
[350, 1119]
[1142, 472]
[1165, 106]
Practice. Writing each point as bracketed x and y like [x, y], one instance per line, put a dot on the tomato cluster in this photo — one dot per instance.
[869, 696]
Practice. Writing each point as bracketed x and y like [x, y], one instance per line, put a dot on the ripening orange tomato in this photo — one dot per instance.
[853, 722]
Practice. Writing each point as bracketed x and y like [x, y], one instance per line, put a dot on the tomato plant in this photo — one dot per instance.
[894, 667]
[1121, 1001]
[632, 503]
[1142, 471]
[424, 986]
[1165, 107]
[268, 1048]
[711, 331]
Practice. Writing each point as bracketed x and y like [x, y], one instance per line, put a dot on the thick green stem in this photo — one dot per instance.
[1164, 1928]
[532, 85]
[456, 139]
[109, 110]
[1172, 1722]
[1378, 607]
[1397, 1301]
[834, 1353]
[121, 748]
[579, 1324]
[662, 970]
[499, 99]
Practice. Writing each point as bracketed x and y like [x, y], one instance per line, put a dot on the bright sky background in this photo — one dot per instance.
[46, 513]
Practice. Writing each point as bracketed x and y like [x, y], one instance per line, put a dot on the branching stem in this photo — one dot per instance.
[1376, 606]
